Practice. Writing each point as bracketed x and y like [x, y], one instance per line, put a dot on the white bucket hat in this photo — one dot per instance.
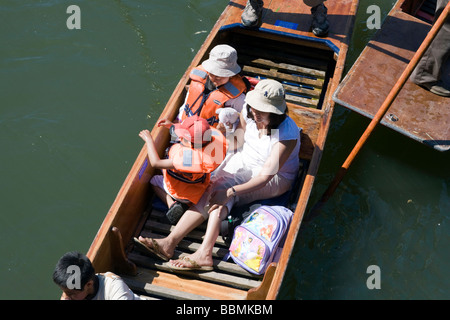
[268, 96]
[222, 61]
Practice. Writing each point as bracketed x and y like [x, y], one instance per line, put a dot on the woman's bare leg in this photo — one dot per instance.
[163, 195]
[188, 222]
[203, 255]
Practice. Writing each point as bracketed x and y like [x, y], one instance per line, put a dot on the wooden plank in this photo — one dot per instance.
[426, 11]
[309, 121]
[260, 293]
[175, 287]
[222, 279]
[268, 63]
[314, 59]
[297, 89]
[298, 18]
[314, 93]
[248, 41]
[219, 264]
[158, 292]
[416, 112]
[188, 245]
[280, 76]
[160, 216]
[235, 276]
[299, 83]
[292, 10]
[302, 101]
[167, 228]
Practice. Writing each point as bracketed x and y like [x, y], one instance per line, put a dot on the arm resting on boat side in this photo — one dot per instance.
[155, 160]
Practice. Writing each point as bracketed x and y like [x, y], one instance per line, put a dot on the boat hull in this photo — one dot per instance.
[275, 50]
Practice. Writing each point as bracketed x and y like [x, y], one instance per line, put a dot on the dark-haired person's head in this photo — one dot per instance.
[75, 275]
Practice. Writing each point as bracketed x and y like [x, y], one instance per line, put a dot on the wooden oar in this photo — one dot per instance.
[381, 112]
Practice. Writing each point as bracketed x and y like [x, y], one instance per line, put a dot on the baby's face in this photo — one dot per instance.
[218, 81]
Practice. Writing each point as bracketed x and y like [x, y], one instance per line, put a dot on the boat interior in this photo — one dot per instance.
[281, 48]
[305, 73]
[421, 9]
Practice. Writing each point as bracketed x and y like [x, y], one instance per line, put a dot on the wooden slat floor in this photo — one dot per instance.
[304, 75]
[155, 279]
[152, 270]
[426, 11]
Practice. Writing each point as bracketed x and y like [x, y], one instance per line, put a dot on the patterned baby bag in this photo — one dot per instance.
[257, 238]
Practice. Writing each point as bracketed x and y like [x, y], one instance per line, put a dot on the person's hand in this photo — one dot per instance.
[222, 211]
[165, 123]
[145, 135]
[218, 197]
[222, 128]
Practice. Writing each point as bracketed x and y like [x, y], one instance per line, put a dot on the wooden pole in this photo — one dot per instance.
[382, 111]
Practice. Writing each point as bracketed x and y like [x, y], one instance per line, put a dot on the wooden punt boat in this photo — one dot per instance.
[310, 68]
[416, 112]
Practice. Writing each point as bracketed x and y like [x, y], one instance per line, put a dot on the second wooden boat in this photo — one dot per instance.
[416, 112]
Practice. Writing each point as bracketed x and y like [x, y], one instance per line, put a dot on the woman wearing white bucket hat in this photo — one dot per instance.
[265, 167]
[215, 84]
[267, 163]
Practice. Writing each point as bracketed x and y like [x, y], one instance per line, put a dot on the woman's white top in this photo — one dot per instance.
[256, 150]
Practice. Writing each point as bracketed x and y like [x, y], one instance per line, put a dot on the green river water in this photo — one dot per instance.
[74, 101]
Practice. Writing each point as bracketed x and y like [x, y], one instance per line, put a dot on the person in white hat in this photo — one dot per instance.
[216, 83]
[265, 167]
[251, 16]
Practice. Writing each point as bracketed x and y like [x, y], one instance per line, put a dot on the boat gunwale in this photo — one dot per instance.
[325, 42]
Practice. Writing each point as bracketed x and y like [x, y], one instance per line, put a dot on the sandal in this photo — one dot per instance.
[155, 251]
[194, 266]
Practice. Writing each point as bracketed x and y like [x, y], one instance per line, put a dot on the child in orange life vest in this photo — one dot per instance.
[199, 150]
[216, 83]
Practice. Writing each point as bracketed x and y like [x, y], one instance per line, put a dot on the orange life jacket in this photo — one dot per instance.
[186, 186]
[205, 105]
[192, 173]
